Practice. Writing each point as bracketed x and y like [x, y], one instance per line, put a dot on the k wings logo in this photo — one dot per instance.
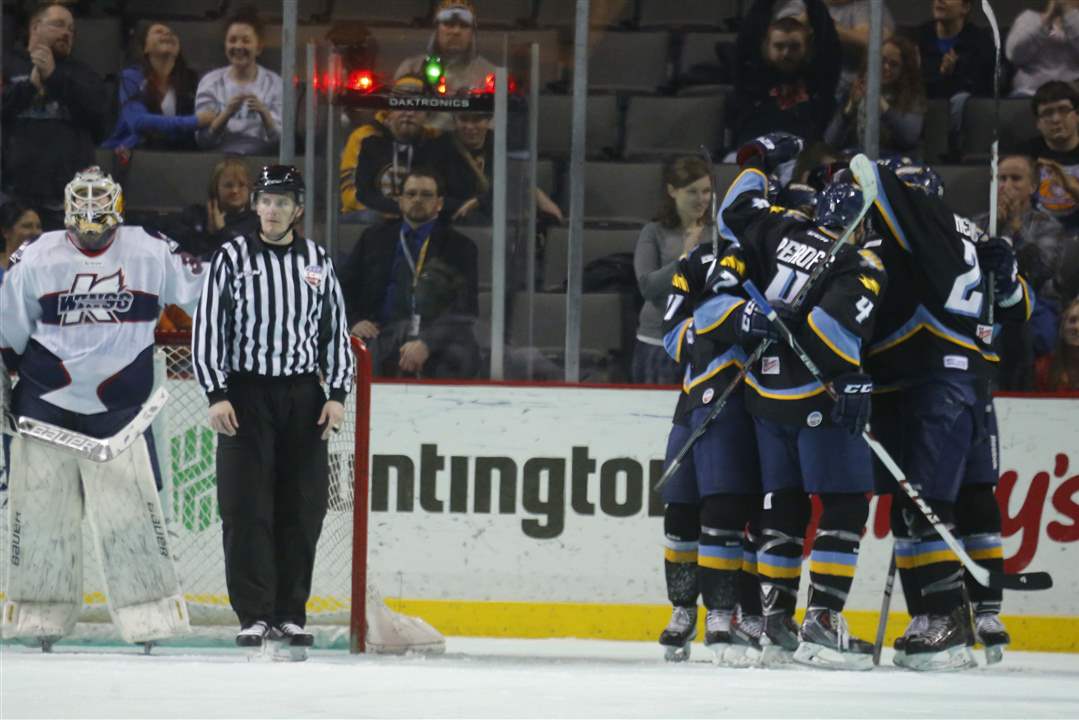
[94, 300]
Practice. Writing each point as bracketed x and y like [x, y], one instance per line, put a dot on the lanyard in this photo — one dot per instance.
[415, 267]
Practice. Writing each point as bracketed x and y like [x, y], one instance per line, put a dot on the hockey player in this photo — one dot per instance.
[710, 500]
[807, 443]
[271, 321]
[931, 354]
[79, 310]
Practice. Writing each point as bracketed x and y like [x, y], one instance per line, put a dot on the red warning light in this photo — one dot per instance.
[361, 81]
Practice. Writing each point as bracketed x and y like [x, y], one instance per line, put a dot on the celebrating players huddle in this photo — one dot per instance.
[80, 308]
[882, 304]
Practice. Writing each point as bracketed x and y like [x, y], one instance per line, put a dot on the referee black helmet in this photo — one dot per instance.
[279, 179]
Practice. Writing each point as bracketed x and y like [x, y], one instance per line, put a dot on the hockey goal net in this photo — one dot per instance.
[343, 609]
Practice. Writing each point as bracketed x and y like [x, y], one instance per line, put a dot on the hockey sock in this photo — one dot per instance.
[779, 555]
[835, 549]
[749, 583]
[937, 569]
[977, 517]
[719, 558]
[681, 529]
[904, 552]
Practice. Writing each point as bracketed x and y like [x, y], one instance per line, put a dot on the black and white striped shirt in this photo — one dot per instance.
[271, 312]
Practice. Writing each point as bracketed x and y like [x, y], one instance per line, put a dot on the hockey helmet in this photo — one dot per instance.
[93, 205]
[279, 179]
[838, 204]
[923, 178]
[895, 162]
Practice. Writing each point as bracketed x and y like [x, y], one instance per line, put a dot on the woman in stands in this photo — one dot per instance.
[684, 221]
[1043, 45]
[902, 104]
[18, 224]
[1060, 369]
[201, 229]
[157, 97]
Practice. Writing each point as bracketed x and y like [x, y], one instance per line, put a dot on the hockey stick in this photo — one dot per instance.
[989, 578]
[90, 448]
[885, 606]
[995, 148]
[865, 173]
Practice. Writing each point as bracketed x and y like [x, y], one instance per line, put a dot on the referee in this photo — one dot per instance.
[271, 321]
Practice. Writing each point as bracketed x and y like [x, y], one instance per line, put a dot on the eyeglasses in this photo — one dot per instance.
[413, 194]
[1058, 111]
[60, 25]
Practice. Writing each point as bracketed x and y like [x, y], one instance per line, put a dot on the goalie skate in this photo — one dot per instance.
[677, 638]
[990, 632]
[826, 643]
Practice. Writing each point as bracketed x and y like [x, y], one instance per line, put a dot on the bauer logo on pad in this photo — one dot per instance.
[770, 366]
[313, 275]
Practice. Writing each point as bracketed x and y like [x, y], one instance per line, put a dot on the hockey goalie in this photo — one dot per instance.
[79, 307]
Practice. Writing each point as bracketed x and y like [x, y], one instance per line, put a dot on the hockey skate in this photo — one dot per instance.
[944, 645]
[253, 635]
[990, 632]
[745, 649]
[826, 643]
[779, 639]
[679, 634]
[918, 624]
[717, 633]
[290, 642]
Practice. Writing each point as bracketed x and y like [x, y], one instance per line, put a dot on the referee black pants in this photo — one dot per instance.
[272, 489]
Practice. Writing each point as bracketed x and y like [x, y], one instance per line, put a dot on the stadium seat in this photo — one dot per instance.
[628, 61]
[1017, 126]
[519, 43]
[99, 42]
[598, 242]
[602, 13]
[397, 12]
[936, 143]
[202, 43]
[171, 9]
[699, 48]
[271, 9]
[169, 181]
[966, 188]
[601, 127]
[504, 13]
[664, 126]
[687, 13]
[621, 192]
[601, 324]
[481, 235]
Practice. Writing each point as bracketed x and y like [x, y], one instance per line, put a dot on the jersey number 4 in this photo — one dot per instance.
[964, 299]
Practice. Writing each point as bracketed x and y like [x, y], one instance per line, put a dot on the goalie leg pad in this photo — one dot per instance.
[125, 514]
[44, 590]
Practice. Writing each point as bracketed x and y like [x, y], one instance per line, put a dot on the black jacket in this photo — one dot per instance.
[463, 181]
[764, 100]
[973, 71]
[189, 228]
[49, 137]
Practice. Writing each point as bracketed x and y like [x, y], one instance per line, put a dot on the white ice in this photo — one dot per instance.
[511, 678]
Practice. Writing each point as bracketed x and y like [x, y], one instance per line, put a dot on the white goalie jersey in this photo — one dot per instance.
[78, 325]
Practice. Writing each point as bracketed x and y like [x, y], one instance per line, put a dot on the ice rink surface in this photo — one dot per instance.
[511, 678]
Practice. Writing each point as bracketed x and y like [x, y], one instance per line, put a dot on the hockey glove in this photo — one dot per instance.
[754, 326]
[774, 149]
[852, 402]
[997, 258]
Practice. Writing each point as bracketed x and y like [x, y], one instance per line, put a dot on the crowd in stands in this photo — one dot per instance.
[410, 277]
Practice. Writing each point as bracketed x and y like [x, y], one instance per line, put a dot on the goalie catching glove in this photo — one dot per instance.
[853, 402]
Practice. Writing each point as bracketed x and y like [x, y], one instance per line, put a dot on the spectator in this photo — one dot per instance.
[958, 57]
[202, 228]
[902, 104]
[379, 155]
[684, 221]
[1056, 112]
[411, 289]
[1044, 46]
[465, 157]
[157, 97]
[1060, 370]
[245, 95]
[788, 74]
[851, 18]
[18, 224]
[53, 115]
[454, 43]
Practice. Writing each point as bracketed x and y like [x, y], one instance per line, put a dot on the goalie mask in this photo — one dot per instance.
[93, 206]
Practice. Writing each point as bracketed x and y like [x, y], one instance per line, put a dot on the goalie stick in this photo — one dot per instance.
[86, 447]
[865, 174]
[989, 578]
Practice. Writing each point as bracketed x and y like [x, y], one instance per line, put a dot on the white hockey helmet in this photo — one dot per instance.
[93, 204]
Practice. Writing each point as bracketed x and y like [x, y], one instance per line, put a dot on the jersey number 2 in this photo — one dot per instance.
[964, 299]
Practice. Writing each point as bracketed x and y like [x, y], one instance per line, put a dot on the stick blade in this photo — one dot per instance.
[1021, 581]
[865, 172]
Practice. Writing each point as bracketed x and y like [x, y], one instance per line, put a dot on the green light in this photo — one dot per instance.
[432, 69]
